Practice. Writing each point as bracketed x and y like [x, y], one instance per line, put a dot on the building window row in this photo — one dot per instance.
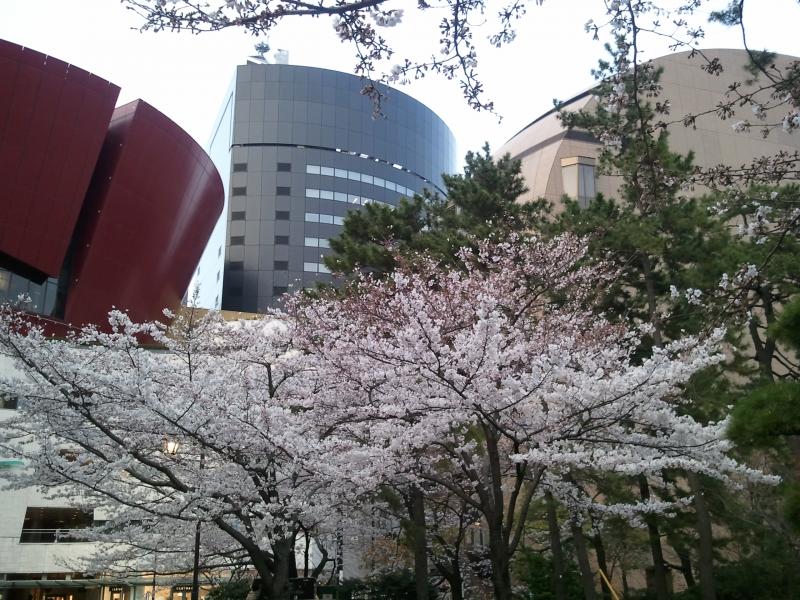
[314, 242]
[312, 267]
[323, 218]
[362, 177]
[341, 197]
[283, 240]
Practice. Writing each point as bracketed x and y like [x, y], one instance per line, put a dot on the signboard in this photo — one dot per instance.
[182, 587]
[116, 588]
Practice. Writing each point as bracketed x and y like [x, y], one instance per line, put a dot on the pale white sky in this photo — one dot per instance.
[186, 76]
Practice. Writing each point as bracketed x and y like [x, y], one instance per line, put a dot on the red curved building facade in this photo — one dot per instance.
[114, 206]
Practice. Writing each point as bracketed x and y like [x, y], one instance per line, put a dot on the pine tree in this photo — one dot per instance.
[480, 203]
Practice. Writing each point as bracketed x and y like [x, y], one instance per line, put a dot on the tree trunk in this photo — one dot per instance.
[457, 588]
[415, 502]
[557, 552]
[283, 551]
[654, 537]
[587, 577]
[652, 299]
[306, 551]
[498, 556]
[626, 590]
[705, 559]
[494, 505]
[686, 562]
[600, 552]
[450, 568]
[452, 573]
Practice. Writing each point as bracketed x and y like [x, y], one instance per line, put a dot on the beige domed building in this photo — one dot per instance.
[557, 161]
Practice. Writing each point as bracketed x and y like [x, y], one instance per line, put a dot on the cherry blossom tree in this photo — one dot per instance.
[459, 31]
[489, 381]
[755, 268]
[367, 26]
[197, 432]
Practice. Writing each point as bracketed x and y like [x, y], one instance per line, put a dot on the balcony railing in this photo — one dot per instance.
[50, 536]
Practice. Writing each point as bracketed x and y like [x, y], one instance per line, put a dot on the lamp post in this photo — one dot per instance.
[171, 447]
[196, 567]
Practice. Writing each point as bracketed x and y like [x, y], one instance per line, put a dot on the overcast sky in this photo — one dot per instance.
[186, 76]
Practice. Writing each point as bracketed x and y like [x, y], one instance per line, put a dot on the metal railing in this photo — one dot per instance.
[50, 536]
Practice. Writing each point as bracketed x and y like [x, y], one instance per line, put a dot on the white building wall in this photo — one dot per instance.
[16, 557]
[205, 287]
[33, 558]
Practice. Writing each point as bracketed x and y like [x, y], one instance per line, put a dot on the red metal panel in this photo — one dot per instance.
[153, 202]
[53, 119]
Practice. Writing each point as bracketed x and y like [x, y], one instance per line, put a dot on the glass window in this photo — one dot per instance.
[326, 218]
[390, 186]
[239, 191]
[338, 220]
[354, 176]
[323, 268]
[352, 199]
[238, 215]
[237, 240]
[341, 173]
[312, 193]
[340, 196]
[44, 524]
[281, 265]
[326, 194]
[281, 215]
[284, 167]
[586, 183]
[312, 242]
[282, 240]
[239, 167]
[323, 243]
[366, 178]
[283, 191]
[578, 178]
[9, 401]
[326, 171]
[310, 267]
[312, 169]
[312, 217]
[379, 181]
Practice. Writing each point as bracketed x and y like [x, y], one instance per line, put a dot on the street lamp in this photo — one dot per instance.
[196, 566]
[171, 447]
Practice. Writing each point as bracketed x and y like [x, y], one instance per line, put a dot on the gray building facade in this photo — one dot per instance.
[298, 148]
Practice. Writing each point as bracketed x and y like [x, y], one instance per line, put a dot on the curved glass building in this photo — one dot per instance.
[298, 148]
